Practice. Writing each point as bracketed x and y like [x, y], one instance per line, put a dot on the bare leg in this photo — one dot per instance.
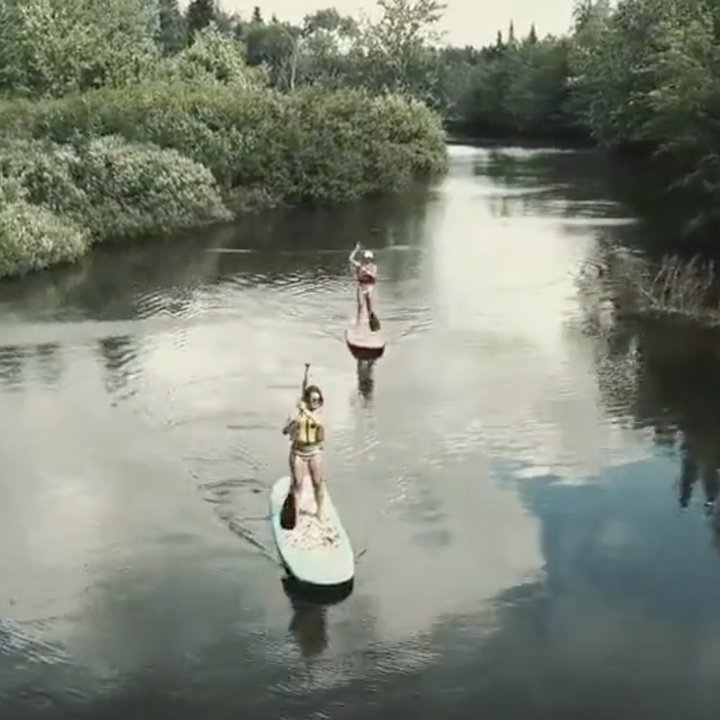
[297, 473]
[368, 302]
[315, 465]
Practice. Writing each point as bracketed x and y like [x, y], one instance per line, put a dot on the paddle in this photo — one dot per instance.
[373, 321]
[288, 512]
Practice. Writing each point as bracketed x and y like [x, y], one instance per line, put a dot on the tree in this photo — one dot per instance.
[200, 13]
[271, 45]
[398, 43]
[325, 50]
[52, 47]
[213, 57]
[172, 32]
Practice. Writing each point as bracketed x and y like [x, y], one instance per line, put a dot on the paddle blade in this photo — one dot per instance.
[288, 513]
[374, 323]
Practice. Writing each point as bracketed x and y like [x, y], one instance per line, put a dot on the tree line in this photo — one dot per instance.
[122, 117]
[126, 118]
[639, 77]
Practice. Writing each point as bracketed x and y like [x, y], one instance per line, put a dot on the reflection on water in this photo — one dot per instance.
[118, 353]
[11, 366]
[366, 378]
[309, 624]
[49, 362]
[510, 471]
[692, 469]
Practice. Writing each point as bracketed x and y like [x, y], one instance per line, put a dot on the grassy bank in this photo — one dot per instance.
[681, 290]
[159, 156]
[676, 291]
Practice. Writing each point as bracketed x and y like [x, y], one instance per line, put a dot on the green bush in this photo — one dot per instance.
[310, 145]
[33, 237]
[43, 172]
[112, 187]
[134, 189]
[154, 157]
[52, 47]
[213, 58]
[11, 189]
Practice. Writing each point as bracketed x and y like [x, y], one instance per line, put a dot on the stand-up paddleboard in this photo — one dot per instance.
[364, 344]
[313, 553]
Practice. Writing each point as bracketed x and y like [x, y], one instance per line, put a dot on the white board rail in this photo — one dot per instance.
[316, 554]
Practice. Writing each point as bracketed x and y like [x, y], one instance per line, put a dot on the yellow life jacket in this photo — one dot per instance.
[307, 431]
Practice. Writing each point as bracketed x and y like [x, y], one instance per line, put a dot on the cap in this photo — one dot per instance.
[368, 254]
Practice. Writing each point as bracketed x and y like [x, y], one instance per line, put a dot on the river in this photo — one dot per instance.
[510, 480]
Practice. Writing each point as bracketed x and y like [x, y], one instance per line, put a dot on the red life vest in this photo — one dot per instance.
[367, 274]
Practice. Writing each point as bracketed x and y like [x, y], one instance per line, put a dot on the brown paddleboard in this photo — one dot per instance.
[364, 344]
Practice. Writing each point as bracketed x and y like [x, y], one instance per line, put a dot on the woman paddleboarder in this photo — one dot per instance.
[307, 434]
[365, 272]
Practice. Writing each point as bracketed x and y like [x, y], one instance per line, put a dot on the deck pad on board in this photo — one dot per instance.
[314, 552]
[361, 337]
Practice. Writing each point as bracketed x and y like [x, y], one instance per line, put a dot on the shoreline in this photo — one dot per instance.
[160, 158]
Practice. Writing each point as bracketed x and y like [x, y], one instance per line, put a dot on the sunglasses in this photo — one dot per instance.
[314, 400]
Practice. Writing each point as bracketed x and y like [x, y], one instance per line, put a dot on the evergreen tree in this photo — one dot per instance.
[200, 14]
[171, 35]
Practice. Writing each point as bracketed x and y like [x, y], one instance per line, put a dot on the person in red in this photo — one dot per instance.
[365, 272]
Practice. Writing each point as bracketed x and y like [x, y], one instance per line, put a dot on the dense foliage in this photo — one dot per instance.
[310, 144]
[140, 101]
[124, 118]
[642, 76]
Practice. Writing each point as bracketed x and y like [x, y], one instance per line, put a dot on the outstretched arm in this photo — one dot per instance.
[288, 427]
[354, 262]
[304, 385]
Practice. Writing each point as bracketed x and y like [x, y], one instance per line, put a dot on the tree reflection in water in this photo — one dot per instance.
[664, 377]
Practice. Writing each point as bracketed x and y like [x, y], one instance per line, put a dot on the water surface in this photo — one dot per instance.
[514, 480]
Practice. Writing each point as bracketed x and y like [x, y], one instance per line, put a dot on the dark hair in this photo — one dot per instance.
[312, 390]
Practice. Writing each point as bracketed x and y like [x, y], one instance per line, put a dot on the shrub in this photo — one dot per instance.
[112, 187]
[157, 156]
[52, 47]
[310, 145]
[43, 172]
[32, 238]
[134, 189]
[11, 189]
[213, 57]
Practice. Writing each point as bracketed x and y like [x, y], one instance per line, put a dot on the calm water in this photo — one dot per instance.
[512, 480]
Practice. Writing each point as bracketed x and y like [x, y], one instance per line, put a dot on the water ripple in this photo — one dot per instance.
[500, 478]
[25, 640]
